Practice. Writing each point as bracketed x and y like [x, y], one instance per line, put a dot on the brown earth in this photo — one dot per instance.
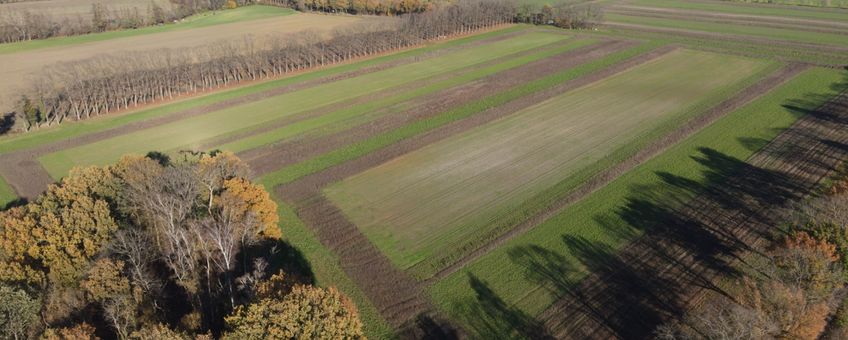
[398, 296]
[78, 8]
[685, 250]
[26, 176]
[276, 156]
[736, 19]
[657, 147]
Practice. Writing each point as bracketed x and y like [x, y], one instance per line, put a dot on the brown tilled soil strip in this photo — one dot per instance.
[655, 148]
[23, 172]
[370, 97]
[722, 19]
[685, 250]
[398, 296]
[272, 157]
[728, 37]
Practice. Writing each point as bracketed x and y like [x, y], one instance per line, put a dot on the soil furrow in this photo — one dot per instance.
[272, 157]
[684, 250]
[655, 148]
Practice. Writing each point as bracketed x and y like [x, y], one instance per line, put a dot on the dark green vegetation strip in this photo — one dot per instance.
[353, 151]
[197, 21]
[506, 282]
[75, 129]
[491, 228]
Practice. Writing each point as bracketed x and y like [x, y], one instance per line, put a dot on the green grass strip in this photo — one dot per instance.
[71, 129]
[492, 227]
[353, 151]
[342, 117]
[255, 12]
[325, 267]
[724, 28]
[596, 219]
[7, 195]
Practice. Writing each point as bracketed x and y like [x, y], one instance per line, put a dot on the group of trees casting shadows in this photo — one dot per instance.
[632, 291]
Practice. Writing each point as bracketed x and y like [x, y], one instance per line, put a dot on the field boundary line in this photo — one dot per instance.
[653, 149]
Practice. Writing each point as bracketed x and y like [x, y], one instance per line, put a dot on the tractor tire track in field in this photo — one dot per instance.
[28, 178]
[275, 156]
[657, 147]
[685, 250]
[818, 26]
[318, 112]
[397, 296]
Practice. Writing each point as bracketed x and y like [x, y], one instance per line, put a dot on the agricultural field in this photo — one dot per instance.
[517, 181]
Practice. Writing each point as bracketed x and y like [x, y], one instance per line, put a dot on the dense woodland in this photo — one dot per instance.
[151, 248]
[93, 87]
[789, 292]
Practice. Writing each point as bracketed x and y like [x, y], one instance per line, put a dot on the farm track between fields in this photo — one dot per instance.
[727, 37]
[398, 296]
[735, 19]
[28, 178]
[276, 156]
[657, 147]
[675, 263]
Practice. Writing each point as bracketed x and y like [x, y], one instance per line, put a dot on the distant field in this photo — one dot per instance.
[78, 8]
[812, 3]
[429, 202]
[187, 133]
[595, 218]
[24, 60]
[837, 15]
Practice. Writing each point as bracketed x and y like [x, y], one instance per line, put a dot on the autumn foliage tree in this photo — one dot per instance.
[151, 247]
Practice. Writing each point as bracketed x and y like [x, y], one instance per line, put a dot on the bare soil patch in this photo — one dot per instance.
[660, 275]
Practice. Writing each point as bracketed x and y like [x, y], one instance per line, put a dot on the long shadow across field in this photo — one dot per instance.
[687, 242]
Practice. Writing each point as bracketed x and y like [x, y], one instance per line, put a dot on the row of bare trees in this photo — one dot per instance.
[378, 7]
[98, 86]
[24, 25]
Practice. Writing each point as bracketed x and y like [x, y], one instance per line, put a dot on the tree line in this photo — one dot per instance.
[791, 290]
[374, 7]
[155, 248]
[24, 25]
[79, 90]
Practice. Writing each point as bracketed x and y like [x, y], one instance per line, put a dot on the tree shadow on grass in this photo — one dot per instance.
[686, 242]
[488, 316]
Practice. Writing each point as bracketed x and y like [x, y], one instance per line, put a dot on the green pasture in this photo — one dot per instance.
[356, 115]
[7, 195]
[832, 14]
[434, 201]
[515, 274]
[247, 13]
[188, 133]
[723, 28]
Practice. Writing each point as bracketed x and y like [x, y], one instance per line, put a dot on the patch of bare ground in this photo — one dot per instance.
[398, 296]
[603, 178]
[728, 37]
[735, 19]
[687, 247]
[23, 172]
[272, 157]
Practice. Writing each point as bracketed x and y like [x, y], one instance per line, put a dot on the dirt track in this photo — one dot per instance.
[603, 178]
[396, 294]
[659, 276]
[23, 172]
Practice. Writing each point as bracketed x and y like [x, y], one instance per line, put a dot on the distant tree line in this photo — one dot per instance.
[376, 7]
[16, 26]
[93, 87]
[152, 248]
[566, 14]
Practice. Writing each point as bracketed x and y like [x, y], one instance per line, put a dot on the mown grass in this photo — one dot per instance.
[738, 8]
[247, 13]
[324, 265]
[353, 151]
[189, 133]
[71, 129]
[7, 195]
[352, 116]
[594, 219]
[724, 28]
